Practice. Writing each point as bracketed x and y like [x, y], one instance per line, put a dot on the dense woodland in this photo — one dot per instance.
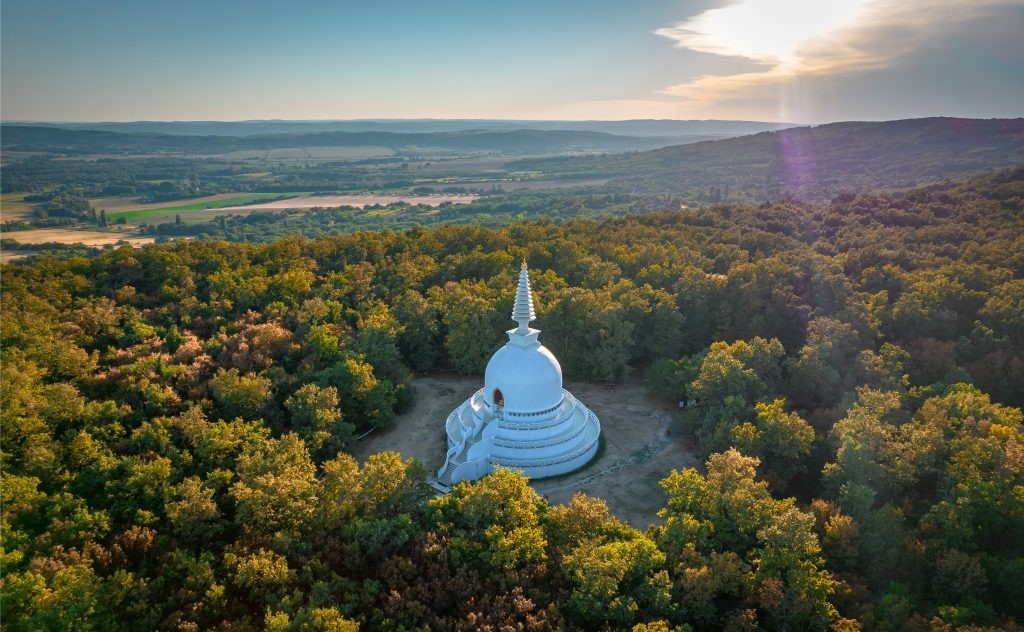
[670, 128]
[809, 163]
[63, 169]
[529, 141]
[175, 421]
[267, 226]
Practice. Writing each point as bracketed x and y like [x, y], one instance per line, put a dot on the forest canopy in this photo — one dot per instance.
[176, 422]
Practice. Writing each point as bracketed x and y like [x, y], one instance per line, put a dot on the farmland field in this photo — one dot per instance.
[475, 163]
[121, 204]
[72, 236]
[519, 185]
[302, 154]
[327, 201]
[13, 206]
[166, 212]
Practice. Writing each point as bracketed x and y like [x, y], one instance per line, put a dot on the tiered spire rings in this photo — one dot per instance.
[522, 311]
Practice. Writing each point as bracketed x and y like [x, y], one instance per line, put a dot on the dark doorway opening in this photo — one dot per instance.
[499, 399]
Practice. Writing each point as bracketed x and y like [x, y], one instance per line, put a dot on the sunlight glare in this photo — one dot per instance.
[768, 31]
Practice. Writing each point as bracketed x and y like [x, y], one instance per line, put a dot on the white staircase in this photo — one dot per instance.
[460, 439]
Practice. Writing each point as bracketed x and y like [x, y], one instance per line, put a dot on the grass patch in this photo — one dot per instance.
[238, 200]
[380, 212]
[13, 206]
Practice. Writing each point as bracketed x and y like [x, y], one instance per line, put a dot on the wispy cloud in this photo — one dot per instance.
[802, 39]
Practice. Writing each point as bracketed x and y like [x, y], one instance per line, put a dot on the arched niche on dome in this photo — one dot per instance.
[497, 397]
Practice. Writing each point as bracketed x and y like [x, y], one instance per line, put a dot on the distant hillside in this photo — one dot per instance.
[638, 127]
[810, 163]
[521, 141]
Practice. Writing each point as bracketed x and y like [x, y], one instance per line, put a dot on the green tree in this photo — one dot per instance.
[247, 396]
[863, 437]
[615, 581]
[316, 418]
[194, 514]
[590, 334]
[470, 325]
[494, 525]
[823, 372]
[275, 494]
[367, 402]
[731, 379]
[420, 341]
[780, 440]
[731, 512]
[657, 323]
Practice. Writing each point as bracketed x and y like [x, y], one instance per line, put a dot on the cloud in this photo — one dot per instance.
[798, 41]
[766, 31]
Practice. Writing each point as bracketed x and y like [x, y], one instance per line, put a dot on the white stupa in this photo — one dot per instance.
[522, 418]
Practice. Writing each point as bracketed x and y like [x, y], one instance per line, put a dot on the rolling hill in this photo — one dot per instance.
[634, 127]
[810, 163]
[517, 141]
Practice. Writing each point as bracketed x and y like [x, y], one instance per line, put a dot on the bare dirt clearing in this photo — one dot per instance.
[362, 201]
[638, 451]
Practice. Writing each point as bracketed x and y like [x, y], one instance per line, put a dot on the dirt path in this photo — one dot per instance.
[638, 451]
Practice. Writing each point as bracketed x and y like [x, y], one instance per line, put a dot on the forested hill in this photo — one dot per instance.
[176, 423]
[634, 127]
[66, 141]
[810, 163]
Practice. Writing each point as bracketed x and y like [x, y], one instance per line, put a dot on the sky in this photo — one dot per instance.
[806, 61]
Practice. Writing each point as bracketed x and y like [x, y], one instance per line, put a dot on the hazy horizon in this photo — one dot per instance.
[414, 119]
[482, 120]
[794, 61]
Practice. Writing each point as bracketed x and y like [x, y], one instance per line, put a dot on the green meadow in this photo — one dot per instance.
[161, 211]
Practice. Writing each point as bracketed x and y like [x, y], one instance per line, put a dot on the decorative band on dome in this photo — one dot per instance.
[537, 413]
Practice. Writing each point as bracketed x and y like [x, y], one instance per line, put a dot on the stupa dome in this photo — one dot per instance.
[523, 379]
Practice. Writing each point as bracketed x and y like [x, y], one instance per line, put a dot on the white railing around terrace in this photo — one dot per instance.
[539, 412]
[568, 402]
[523, 463]
[479, 403]
[555, 440]
[456, 417]
[456, 448]
[477, 400]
